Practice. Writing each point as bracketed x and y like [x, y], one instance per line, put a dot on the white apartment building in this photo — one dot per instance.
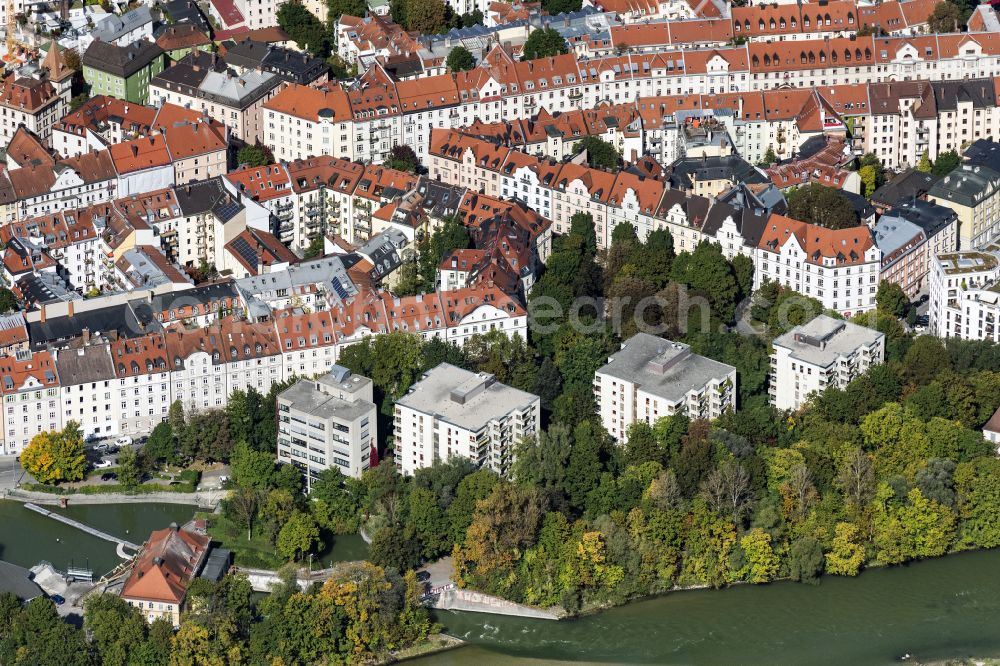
[30, 398]
[452, 412]
[330, 421]
[822, 353]
[839, 268]
[143, 383]
[88, 382]
[965, 295]
[652, 377]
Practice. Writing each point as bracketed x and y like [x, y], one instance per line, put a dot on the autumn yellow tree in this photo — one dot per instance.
[56, 455]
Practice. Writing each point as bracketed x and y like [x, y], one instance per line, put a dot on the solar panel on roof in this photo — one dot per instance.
[227, 211]
[339, 288]
[243, 249]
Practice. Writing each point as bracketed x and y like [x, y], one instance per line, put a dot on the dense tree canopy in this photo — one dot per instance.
[822, 205]
[308, 31]
[57, 455]
[542, 43]
[946, 162]
[254, 156]
[460, 60]
[600, 153]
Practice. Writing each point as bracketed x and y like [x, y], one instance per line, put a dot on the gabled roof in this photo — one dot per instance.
[170, 558]
[123, 61]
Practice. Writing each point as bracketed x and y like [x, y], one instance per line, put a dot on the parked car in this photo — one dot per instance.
[103, 464]
[423, 576]
[58, 599]
[124, 440]
[101, 446]
[109, 476]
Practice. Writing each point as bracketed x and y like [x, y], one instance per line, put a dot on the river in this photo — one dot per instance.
[28, 537]
[937, 609]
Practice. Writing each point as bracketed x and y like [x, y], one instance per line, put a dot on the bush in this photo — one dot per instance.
[190, 476]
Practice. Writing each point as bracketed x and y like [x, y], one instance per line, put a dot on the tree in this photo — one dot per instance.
[72, 58]
[444, 240]
[338, 8]
[252, 468]
[37, 635]
[254, 156]
[947, 161]
[460, 60]
[241, 507]
[116, 628]
[502, 526]
[847, 555]
[8, 302]
[402, 158]
[307, 30]
[297, 536]
[425, 16]
[978, 487]
[857, 478]
[869, 177]
[128, 468]
[761, 562]
[946, 17]
[315, 248]
[925, 165]
[160, 445]
[877, 168]
[727, 490]
[553, 7]
[769, 158]
[806, 560]
[600, 153]
[916, 528]
[56, 455]
[891, 299]
[822, 205]
[543, 43]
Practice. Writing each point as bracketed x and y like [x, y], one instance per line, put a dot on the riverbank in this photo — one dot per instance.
[435, 644]
[939, 611]
[203, 499]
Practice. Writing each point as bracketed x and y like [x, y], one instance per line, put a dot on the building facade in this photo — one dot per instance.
[823, 353]
[452, 412]
[328, 422]
[650, 378]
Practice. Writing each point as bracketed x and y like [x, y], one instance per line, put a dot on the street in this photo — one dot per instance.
[11, 473]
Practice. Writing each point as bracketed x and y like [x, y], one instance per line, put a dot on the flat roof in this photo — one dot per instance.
[466, 399]
[663, 368]
[825, 339]
[304, 397]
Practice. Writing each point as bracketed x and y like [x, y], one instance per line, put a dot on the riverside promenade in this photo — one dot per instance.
[203, 499]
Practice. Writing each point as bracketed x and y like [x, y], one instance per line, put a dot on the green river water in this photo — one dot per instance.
[932, 610]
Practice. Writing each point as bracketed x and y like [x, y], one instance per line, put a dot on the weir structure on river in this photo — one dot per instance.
[122, 543]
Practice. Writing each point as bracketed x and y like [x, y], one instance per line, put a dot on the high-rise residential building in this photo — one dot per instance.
[652, 377]
[965, 295]
[824, 352]
[327, 422]
[452, 412]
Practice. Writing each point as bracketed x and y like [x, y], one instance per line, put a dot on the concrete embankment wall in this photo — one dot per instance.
[477, 602]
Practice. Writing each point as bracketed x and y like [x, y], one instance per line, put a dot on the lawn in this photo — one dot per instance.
[257, 553]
